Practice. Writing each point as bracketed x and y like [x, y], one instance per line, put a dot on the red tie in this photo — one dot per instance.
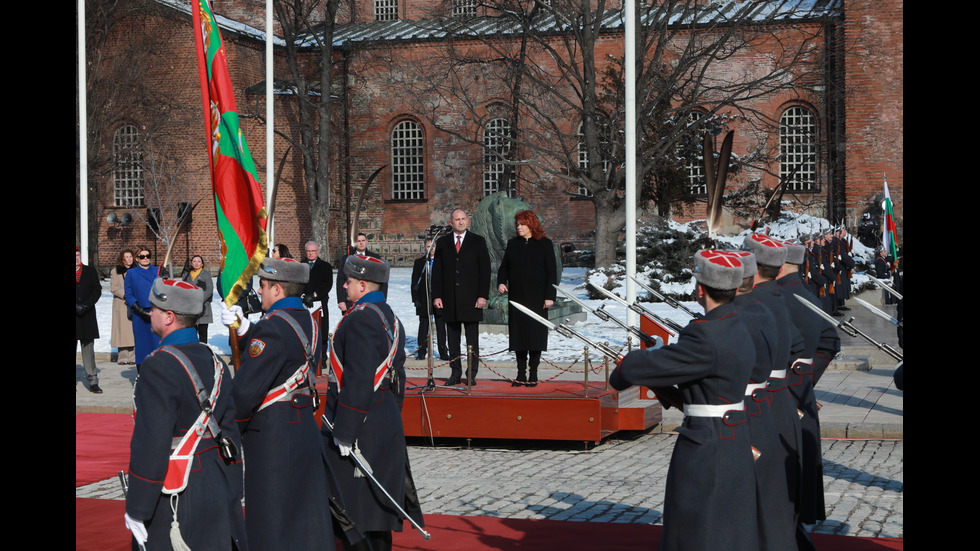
[458, 242]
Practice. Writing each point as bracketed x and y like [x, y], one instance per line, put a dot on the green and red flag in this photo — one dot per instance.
[888, 241]
[238, 203]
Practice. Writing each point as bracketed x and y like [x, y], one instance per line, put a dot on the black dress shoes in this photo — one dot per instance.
[94, 389]
[451, 381]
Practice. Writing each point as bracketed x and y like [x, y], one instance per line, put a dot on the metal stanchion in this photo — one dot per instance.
[588, 368]
[469, 368]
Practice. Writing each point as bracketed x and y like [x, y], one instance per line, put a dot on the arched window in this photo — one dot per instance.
[798, 149]
[385, 10]
[407, 161]
[127, 172]
[496, 147]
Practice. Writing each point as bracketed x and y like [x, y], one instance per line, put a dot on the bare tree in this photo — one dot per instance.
[126, 65]
[309, 25]
[552, 61]
[168, 194]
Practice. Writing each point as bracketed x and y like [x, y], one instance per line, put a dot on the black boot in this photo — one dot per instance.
[533, 365]
[521, 375]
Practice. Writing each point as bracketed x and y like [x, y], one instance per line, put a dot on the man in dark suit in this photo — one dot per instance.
[360, 249]
[318, 288]
[461, 286]
[88, 291]
[420, 297]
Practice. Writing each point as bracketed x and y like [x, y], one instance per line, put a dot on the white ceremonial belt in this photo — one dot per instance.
[711, 410]
[777, 374]
[752, 387]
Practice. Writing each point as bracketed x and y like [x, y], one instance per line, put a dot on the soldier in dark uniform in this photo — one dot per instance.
[367, 359]
[286, 490]
[809, 269]
[774, 495]
[202, 477]
[821, 344]
[710, 497]
[842, 248]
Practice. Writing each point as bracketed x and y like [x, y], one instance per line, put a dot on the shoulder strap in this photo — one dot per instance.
[292, 385]
[178, 466]
[385, 366]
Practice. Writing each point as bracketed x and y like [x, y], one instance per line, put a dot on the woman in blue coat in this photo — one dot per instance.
[139, 281]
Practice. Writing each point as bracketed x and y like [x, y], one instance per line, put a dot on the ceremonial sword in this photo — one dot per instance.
[885, 285]
[366, 469]
[601, 313]
[670, 302]
[567, 331]
[639, 309]
[849, 328]
[878, 312]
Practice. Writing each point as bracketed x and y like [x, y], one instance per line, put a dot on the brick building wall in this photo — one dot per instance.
[874, 79]
[871, 48]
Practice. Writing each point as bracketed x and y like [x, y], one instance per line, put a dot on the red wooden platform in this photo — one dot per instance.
[555, 410]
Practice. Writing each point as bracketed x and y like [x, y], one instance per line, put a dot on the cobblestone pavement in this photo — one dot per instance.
[622, 480]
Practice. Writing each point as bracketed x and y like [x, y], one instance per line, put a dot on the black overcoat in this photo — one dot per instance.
[286, 490]
[209, 508]
[459, 279]
[775, 498]
[318, 287]
[710, 496]
[370, 419]
[821, 345]
[88, 291]
[528, 270]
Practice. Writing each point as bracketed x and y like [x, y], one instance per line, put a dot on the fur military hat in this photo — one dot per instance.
[718, 269]
[768, 251]
[179, 297]
[367, 268]
[794, 253]
[747, 258]
[284, 269]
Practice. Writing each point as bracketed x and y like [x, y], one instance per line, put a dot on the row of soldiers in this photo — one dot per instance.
[828, 266]
[746, 471]
[203, 442]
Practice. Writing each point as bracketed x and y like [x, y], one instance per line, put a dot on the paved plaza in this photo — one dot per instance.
[623, 478]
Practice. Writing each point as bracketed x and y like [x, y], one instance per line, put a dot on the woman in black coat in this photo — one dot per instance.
[527, 274]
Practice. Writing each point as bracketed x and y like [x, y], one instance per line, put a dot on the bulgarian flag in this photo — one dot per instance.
[888, 235]
[238, 202]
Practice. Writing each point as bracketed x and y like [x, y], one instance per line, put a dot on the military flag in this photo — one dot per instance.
[888, 241]
[238, 203]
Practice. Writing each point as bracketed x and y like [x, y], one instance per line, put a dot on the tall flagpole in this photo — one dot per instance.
[82, 136]
[630, 150]
[270, 144]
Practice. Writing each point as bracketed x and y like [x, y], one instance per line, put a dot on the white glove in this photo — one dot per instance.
[344, 447]
[233, 314]
[137, 528]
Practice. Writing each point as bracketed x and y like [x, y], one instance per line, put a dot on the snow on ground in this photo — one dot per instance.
[561, 351]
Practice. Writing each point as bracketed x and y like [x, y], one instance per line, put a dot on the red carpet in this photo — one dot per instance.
[101, 445]
[99, 527]
[102, 450]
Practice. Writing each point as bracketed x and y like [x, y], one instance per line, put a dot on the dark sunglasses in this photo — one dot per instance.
[142, 256]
